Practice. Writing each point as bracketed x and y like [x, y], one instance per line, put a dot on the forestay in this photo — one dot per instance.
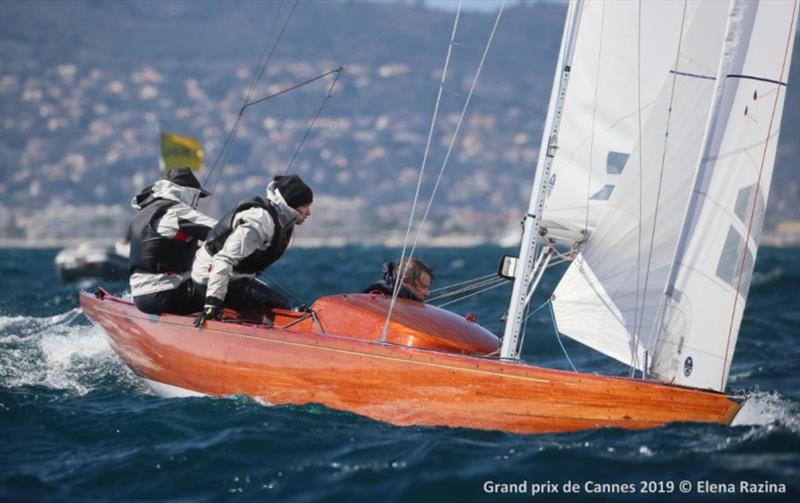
[623, 50]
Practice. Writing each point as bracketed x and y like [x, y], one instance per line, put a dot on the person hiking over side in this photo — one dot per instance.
[164, 236]
[246, 241]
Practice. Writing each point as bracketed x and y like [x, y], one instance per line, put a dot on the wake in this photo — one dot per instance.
[59, 352]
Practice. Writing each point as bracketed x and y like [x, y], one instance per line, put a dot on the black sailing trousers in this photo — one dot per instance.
[244, 294]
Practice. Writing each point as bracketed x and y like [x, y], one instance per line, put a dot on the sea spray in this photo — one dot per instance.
[57, 352]
[768, 408]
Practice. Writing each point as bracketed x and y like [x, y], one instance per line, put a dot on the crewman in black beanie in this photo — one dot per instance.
[247, 240]
[164, 238]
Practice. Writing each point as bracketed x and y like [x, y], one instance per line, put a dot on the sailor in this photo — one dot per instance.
[416, 282]
[164, 238]
[246, 241]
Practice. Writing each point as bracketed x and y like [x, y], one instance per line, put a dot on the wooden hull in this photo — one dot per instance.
[399, 385]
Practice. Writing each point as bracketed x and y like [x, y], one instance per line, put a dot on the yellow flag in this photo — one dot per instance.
[181, 151]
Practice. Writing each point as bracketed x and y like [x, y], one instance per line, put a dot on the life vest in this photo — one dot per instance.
[259, 259]
[150, 251]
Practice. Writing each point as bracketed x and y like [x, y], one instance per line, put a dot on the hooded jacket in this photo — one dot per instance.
[164, 236]
[252, 232]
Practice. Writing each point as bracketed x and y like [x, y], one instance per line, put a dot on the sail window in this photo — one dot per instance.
[742, 201]
[674, 294]
[744, 208]
[603, 194]
[615, 162]
[730, 262]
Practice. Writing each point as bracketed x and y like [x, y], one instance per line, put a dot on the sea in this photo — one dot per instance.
[77, 425]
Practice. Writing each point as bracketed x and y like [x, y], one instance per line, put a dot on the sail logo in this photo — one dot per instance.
[688, 364]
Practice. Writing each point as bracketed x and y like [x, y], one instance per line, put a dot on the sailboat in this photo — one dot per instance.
[652, 180]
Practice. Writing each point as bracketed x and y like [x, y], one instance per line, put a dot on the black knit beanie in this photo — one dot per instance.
[185, 178]
[294, 190]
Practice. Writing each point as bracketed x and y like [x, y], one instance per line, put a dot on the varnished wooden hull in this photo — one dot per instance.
[395, 384]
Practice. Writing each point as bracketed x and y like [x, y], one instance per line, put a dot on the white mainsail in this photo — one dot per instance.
[620, 274]
[705, 295]
[623, 51]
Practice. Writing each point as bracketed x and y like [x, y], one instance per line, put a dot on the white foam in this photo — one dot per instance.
[30, 324]
[169, 391]
[768, 408]
[766, 277]
[55, 353]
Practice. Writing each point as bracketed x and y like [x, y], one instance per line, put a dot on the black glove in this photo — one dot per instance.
[211, 311]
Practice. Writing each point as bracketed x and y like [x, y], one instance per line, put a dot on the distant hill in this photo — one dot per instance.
[85, 87]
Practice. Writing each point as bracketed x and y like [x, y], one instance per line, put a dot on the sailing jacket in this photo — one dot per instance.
[164, 236]
[245, 242]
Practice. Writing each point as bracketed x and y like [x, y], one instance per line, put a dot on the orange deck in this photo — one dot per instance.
[338, 362]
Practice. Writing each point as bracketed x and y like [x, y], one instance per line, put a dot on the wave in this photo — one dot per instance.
[763, 278]
[57, 352]
[762, 408]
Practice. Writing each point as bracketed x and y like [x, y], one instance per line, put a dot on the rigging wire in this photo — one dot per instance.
[261, 68]
[458, 127]
[444, 163]
[489, 286]
[544, 304]
[661, 175]
[448, 287]
[499, 283]
[636, 333]
[558, 336]
[292, 88]
[223, 153]
[284, 289]
[338, 72]
[469, 288]
[400, 276]
[391, 24]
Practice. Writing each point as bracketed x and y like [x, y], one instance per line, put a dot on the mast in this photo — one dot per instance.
[527, 252]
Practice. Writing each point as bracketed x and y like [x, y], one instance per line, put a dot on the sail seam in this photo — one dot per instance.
[739, 150]
[714, 279]
[569, 162]
[735, 221]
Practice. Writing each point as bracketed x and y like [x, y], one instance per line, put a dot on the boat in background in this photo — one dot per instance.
[93, 261]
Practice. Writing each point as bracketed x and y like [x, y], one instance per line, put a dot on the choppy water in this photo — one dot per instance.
[76, 424]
